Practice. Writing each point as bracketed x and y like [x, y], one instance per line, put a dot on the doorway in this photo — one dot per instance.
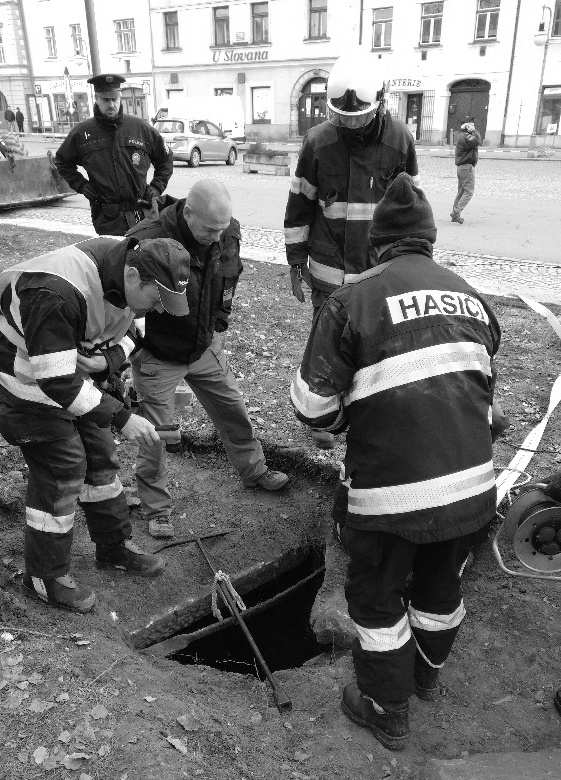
[414, 114]
[468, 99]
[312, 104]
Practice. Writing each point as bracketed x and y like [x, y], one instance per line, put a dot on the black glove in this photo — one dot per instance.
[552, 486]
[299, 273]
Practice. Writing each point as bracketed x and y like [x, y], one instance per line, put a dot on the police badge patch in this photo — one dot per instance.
[135, 158]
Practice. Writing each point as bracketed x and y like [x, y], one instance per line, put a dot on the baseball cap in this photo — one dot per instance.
[166, 261]
[107, 82]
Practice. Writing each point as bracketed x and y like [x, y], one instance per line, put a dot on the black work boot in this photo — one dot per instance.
[62, 592]
[127, 556]
[427, 685]
[389, 726]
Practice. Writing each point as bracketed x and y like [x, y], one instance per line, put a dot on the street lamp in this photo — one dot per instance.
[542, 39]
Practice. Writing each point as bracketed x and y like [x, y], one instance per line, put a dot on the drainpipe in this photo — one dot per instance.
[360, 23]
[545, 47]
[92, 36]
[26, 47]
[152, 55]
[510, 68]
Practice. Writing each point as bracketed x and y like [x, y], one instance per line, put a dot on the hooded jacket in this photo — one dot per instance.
[214, 274]
[339, 178]
[403, 357]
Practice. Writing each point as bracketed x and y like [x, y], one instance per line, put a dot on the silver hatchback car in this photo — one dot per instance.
[197, 140]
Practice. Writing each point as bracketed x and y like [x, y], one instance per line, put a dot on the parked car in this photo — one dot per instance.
[197, 140]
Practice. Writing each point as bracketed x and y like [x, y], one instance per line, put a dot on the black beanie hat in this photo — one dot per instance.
[403, 212]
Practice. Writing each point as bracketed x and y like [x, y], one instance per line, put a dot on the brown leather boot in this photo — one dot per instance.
[390, 726]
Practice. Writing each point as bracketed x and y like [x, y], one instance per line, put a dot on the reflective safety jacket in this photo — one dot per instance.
[52, 307]
[213, 277]
[338, 180]
[403, 356]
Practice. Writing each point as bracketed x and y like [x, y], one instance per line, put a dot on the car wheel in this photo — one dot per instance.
[232, 157]
[195, 158]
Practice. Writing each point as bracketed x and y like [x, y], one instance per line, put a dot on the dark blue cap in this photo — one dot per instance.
[106, 82]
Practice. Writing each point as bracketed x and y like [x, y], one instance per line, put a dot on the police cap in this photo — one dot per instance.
[106, 82]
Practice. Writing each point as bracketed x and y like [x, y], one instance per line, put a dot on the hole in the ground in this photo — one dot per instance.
[277, 616]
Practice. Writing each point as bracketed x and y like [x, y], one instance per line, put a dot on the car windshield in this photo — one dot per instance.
[169, 126]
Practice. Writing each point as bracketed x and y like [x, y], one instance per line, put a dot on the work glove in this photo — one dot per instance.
[88, 192]
[499, 421]
[551, 486]
[299, 273]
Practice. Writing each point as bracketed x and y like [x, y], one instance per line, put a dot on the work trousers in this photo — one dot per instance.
[217, 390]
[397, 615]
[466, 187]
[69, 459]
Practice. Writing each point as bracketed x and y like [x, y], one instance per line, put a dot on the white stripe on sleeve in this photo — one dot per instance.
[87, 399]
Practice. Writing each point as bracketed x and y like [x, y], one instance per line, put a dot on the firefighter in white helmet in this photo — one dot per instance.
[343, 170]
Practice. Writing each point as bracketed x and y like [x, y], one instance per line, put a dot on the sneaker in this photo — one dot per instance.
[389, 726]
[62, 592]
[323, 439]
[127, 556]
[457, 218]
[270, 480]
[161, 527]
[427, 685]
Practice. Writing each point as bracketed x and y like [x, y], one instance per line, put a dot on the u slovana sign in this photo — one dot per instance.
[233, 55]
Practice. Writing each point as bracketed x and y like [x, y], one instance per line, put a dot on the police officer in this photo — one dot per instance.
[116, 151]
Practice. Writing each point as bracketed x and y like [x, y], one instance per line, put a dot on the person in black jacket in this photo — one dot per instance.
[466, 156]
[116, 151]
[191, 348]
[403, 357]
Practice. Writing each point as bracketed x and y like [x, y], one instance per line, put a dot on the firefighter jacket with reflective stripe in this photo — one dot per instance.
[214, 274]
[52, 307]
[339, 178]
[403, 356]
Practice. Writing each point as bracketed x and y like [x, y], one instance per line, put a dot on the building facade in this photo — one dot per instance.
[498, 61]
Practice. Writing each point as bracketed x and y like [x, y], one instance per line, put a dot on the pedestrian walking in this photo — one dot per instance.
[344, 167]
[402, 356]
[65, 320]
[19, 119]
[192, 348]
[116, 150]
[10, 118]
[466, 156]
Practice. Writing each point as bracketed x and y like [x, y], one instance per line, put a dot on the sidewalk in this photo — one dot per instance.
[490, 274]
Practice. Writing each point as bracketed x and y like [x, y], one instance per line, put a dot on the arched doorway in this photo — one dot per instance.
[312, 104]
[468, 98]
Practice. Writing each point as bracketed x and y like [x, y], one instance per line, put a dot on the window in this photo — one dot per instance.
[2, 55]
[77, 40]
[124, 30]
[382, 28]
[556, 28]
[318, 19]
[487, 19]
[260, 22]
[220, 91]
[51, 41]
[431, 22]
[216, 132]
[261, 105]
[221, 26]
[171, 27]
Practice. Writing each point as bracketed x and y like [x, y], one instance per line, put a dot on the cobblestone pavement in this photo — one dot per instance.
[489, 274]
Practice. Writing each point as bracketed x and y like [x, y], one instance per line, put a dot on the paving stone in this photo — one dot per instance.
[542, 765]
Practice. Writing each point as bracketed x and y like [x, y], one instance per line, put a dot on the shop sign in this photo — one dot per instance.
[397, 84]
[233, 55]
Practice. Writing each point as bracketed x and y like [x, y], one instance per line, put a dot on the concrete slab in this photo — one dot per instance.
[543, 765]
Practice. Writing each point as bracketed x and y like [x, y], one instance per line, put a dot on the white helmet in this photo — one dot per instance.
[354, 91]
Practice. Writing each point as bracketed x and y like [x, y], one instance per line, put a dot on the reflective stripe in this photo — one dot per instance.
[417, 365]
[87, 399]
[54, 364]
[11, 333]
[426, 494]
[27, 392]
[301, 186]
[430, 621]
[296, 235]
[381, 640]
[127, 345]
[490, 415]
[309, 404]
[325, 273]
[352, 212]
[48, 523]
[92, 493]
[40, 588]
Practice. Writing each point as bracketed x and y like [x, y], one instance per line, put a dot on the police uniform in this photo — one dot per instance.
[402, 356]
[116, 154]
